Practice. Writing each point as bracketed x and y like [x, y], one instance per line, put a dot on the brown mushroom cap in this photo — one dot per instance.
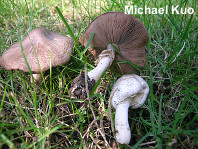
[126, 31]
[38, 46]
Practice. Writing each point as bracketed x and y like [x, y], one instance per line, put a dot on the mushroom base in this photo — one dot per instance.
[78, 87]
[37, 78]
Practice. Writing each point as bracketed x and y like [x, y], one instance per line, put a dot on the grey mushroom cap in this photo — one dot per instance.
[40, 47]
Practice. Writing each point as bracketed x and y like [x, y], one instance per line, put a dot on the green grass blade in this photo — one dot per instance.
[45, 135]
[67, 25]
[7, 141]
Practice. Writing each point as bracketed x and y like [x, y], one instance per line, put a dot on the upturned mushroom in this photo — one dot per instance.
[42, 49]
[113, 31]
[128, 91]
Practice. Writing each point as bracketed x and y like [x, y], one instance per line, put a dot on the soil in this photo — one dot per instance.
[78, 86]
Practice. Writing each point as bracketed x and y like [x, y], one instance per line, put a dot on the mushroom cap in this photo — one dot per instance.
[40, 47]
[126, 31]
[131, 88]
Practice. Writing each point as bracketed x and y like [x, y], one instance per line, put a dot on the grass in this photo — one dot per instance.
[44, 116]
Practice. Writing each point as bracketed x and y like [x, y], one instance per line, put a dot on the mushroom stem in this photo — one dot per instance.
[99, 69]
[131, 90]
[37, 78]
[123, 132]
[103, 62]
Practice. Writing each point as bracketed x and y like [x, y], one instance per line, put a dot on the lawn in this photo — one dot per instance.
[45, 116]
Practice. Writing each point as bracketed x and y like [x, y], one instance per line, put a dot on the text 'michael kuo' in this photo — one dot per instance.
[166, 10]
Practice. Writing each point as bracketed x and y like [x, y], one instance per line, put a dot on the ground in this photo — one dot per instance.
[44, 116]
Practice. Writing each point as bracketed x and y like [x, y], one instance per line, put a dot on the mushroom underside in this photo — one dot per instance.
[125, 31]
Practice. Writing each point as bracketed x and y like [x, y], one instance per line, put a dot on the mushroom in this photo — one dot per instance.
[39, 47]
[129, 90]
[114, 31]
[78, 88]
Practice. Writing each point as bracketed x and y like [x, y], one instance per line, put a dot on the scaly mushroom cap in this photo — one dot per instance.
[38, 46]
[126, 31]
[130, 88]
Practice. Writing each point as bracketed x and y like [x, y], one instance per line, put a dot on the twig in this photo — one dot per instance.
[74, 128]
[147, 143]
[102, 132]
[87, 91]
[110, 114]
[88, 129]
[95, 120]
[179, 51]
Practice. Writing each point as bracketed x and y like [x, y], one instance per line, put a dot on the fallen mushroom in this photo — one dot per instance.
[40, 47]
[103, 62]
[129, 90]
[113, 29]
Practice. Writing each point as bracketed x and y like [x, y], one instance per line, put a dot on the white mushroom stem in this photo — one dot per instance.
[129, 90]
[99, 69]
[103, 62]
[37, 78]
[123, 132]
